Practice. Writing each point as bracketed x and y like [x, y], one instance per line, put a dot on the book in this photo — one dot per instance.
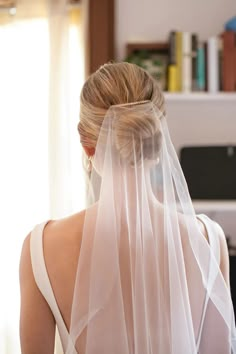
[213, 64]
[205, 45]
[172, 78]
[172, 48]
[228, 61]
[201, 62]
[186, 62]
[235, 63]
[194, 61]
[172, 85]
[220, 54]
[179, 60]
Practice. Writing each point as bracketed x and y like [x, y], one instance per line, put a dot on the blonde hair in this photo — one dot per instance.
[116, 84]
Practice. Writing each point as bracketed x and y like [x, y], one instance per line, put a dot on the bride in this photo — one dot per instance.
[137, 272]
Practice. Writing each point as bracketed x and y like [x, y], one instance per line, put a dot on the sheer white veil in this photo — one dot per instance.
[147, 280]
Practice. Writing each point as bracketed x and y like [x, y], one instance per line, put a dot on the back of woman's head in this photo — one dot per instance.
[116, 84]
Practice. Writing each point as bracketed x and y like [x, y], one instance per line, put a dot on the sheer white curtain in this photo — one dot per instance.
[41, 175]
[66, 80]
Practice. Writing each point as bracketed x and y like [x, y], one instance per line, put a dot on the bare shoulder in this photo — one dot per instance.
[68, 223]
[25, 269]
[57, 233]
[25, 261]
[64, 229]
[62, 242]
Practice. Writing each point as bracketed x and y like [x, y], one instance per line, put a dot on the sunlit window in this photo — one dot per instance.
[25, 146]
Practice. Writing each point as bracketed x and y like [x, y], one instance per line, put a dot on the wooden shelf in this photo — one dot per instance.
[150, 46]
[200, 96]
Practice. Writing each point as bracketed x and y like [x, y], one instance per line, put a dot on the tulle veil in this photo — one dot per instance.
[147, 282]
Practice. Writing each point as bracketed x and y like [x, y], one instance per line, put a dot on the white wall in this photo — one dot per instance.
[151, 20]
[202, 122]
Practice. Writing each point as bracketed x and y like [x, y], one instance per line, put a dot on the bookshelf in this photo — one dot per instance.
[186, 74]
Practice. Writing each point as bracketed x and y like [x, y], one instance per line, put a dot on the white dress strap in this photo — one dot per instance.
[214, 243]
[213, 235]
[42, 279]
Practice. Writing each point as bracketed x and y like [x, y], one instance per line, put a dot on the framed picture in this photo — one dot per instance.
[152, 57]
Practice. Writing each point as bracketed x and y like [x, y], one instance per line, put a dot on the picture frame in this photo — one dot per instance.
[153, 57]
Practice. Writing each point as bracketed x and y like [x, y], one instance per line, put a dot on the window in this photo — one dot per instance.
[28, 151]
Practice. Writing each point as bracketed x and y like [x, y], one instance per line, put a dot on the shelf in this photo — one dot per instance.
[214, 205]
[200, 96]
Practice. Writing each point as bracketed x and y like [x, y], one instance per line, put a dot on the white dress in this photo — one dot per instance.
[43, 282]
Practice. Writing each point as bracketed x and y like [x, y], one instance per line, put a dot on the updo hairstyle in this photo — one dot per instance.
[122, 84]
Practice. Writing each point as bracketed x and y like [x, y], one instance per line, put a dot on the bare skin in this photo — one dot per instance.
[62, 242]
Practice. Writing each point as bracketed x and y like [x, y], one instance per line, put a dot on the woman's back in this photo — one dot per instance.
[61, 248]
[61, 244]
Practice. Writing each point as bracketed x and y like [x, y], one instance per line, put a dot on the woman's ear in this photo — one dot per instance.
[90, 151]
